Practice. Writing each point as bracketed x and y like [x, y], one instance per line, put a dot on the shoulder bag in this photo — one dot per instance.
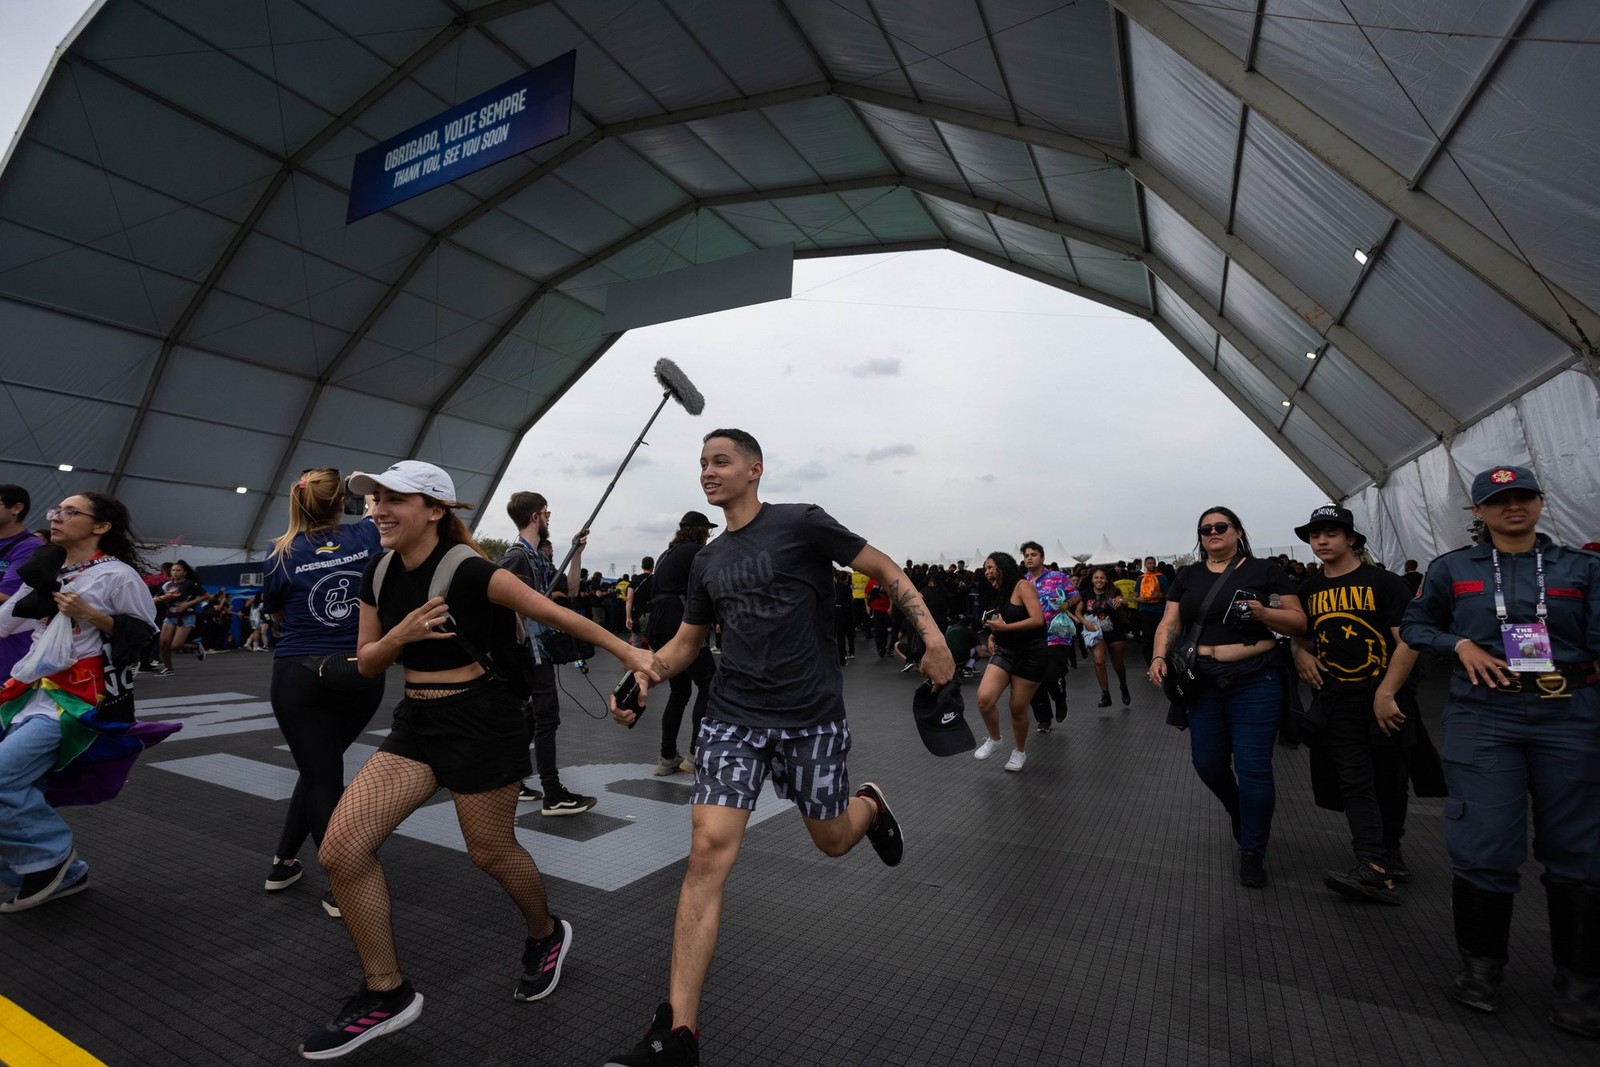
[1180, 683]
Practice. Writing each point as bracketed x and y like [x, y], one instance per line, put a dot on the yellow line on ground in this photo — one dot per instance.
[27, 1042]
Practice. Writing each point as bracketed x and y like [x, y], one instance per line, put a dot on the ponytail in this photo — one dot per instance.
[315, 502]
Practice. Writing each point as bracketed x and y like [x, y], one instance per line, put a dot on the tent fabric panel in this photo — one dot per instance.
[1376, 419]
[470, 450]
[473, 288]
[157, 55]
[256, 334]
[1281, 334]
[1494, 441]
[565, 214]
[196, 514]
[561, 324]
[763, 223]
[1302, 216]
[471, 64]
[1405, 506]
[948, 59]
[1300, 430]
[309, 214]
[1201, 337]
[1370, 515]
[40, 428]
[756, 150]
[540, 32]
[535, 371]
[100, 286]
[1561, 419]
[893, 214]
[277, 275]
[617, 178]
[215, 388]
[1233, 365]
[1126, 279]
[1185, 249]
[398, 374]
[484, 400]
[431, 329]
[655, 50]
[1184, 123]
[351, 418]
[852, 45]
[1387, 99]
[686, 159]
[1095, 195]
[1446, 330]
[762, 52]
[180, 448]
[512, 242]
[71, 354]
[913, 145]
[1447, 499]
[1531, 145]
[963, 224]
[1037, 46]
[1030, 240]
[830, 137]
[824, 220]
[996, 168]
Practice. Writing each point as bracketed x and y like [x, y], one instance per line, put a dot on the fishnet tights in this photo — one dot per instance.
[382, 796]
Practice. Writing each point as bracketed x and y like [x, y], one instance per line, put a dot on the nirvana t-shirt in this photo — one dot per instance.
[316, 583]
[770, 583]
[1252, 579]
[1353, 618]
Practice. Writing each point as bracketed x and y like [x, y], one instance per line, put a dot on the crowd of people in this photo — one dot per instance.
[756, 626]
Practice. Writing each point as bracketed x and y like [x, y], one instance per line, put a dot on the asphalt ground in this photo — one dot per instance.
[1082, 911]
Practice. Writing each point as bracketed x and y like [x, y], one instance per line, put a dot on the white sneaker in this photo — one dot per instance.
[1016, 760]
[985, 750]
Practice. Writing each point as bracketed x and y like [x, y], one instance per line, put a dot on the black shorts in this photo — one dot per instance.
[474, 741]
[1031, 662]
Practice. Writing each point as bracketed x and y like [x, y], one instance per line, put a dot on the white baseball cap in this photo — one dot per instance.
[407, 476]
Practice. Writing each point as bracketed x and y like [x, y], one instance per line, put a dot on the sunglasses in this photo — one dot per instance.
[1215, 528]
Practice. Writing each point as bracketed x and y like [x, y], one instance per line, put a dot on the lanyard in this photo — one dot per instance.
[1499, 593]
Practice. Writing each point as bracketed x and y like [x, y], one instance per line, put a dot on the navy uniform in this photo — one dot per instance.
[1540, 736]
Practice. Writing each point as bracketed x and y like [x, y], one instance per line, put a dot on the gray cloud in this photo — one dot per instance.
[877, 368]
[901, 448]
[986, 478]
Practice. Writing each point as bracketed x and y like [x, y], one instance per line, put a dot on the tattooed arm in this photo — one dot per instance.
[936, 664]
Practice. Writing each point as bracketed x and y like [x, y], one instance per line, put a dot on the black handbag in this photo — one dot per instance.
[1181, 683]
[338, 671]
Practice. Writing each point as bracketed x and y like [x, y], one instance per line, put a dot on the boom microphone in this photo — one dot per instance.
[675, 385]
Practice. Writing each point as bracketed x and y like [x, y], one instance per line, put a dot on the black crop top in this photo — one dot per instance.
[1017, 640]
[468, 599]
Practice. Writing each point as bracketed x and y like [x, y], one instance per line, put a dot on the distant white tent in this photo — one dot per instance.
[1105, 553]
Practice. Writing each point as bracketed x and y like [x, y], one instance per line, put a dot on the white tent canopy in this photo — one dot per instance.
[1105, 553]
[1375, 231]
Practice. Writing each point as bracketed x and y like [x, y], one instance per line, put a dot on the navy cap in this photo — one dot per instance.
[1331, 515]
[939, 719]
[1499, 479]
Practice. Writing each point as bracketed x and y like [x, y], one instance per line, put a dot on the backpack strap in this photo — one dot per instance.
[445, 573]
[378, 574]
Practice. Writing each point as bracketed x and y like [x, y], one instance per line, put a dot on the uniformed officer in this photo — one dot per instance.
[1523, 717]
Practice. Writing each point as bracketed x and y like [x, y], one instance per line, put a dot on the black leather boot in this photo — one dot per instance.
[1483, 933]
[1575, 948]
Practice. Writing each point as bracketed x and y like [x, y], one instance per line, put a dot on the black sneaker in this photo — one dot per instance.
[1395, 863]
[567, 803]
[541, 962]
[200, 651]
[885, 834]
[1252, 870]
[1363, 883]
[662, 1046]
[284, 874]
[331, 906]
[39, 886]
[364, 1016]
[1105, 698]
[1061, 712]
[1127, 697]
[527, 794]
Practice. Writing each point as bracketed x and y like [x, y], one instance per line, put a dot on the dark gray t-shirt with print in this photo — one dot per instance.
[770, 584]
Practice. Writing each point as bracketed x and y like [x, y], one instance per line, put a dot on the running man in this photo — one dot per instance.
[777, 706]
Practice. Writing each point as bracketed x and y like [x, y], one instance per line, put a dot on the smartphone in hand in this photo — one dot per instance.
[627, 696]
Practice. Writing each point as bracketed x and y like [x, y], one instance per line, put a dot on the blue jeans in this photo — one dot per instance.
[1231, 733]
[1500, 749]
[32, 836]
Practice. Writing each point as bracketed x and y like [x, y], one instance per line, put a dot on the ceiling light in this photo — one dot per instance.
[241, 490]
[1311, 355]
[1285, 403]
[63, 466]
[1361, 257]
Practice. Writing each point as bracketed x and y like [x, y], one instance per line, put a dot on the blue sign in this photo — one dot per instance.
[511, 118]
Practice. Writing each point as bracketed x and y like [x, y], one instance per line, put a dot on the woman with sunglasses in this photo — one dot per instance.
[460, 726]
[311, 590]
[1234, 720]
[50, 720]
[1519, 615]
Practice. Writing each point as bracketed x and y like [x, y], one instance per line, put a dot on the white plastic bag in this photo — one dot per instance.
[51, 651]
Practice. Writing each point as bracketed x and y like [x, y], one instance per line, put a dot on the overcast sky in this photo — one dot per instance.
[936, 405]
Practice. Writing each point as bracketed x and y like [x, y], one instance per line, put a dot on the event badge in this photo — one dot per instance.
[1528, 647]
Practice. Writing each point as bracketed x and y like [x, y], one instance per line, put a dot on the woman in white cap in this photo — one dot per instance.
[459, 726]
